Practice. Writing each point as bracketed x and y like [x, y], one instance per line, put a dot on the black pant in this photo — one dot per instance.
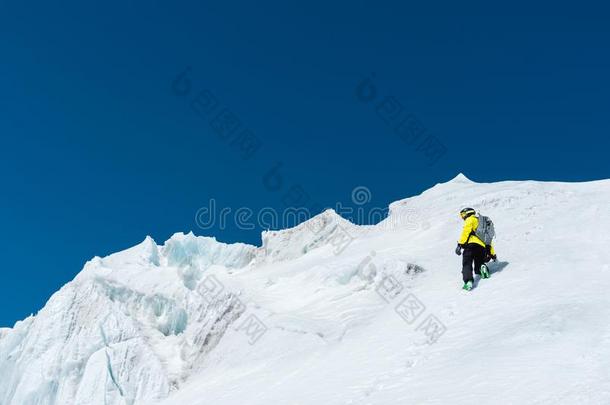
[472, 253]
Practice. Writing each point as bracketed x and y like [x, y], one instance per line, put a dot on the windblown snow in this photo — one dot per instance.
[330, 312]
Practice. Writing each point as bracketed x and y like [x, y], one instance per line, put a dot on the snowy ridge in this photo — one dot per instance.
[4, 332]
[135, 328]
[294, 242]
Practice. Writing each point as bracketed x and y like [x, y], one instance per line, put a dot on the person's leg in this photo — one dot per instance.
[467, 258]
[479, 258]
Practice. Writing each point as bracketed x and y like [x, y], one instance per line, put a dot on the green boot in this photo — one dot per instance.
[484, 271]
[467, 286]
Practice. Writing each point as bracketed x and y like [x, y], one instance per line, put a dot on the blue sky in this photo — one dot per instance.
[99, 149]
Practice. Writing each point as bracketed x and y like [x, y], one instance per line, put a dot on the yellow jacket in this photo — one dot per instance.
[470, 225]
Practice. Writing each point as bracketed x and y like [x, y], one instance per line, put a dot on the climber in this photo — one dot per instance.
[476, 242]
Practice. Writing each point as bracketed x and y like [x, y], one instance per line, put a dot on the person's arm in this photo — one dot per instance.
[467, 230]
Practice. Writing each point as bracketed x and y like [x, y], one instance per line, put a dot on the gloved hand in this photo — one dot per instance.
[458, 249]
[494, 258]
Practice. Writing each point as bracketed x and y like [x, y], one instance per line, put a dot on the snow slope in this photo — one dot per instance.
[333, 313]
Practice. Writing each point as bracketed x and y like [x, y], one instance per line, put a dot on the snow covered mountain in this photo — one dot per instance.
[330, 312]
